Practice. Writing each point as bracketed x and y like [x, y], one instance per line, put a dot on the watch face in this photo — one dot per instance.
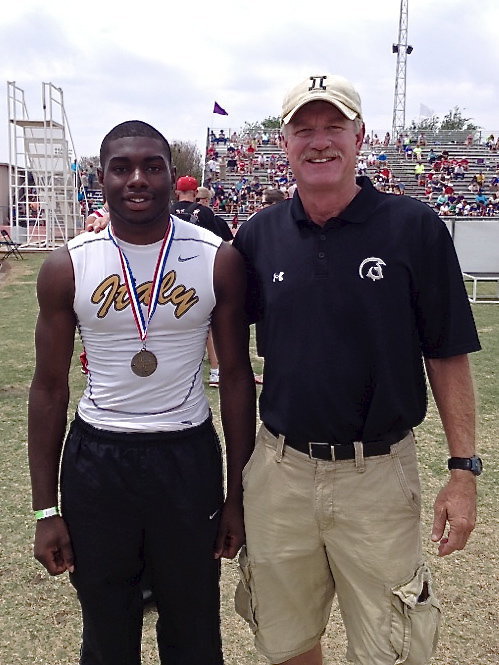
[476, 465]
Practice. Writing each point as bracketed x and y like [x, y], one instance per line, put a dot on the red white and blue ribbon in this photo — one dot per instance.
[131, 285]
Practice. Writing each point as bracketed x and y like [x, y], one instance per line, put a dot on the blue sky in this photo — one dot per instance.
[166, 65]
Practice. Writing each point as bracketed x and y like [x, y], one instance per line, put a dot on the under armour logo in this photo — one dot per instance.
[318, 83]
[278, 277]
[372, 268]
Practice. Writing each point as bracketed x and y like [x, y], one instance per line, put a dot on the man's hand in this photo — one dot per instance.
[231, 536]
[455, 504]
[96, 224]
[53, 545]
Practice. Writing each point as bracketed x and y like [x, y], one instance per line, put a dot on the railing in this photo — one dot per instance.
[479, 136]
[460, 136]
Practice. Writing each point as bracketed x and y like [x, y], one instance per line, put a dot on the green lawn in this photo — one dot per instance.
[40, 618]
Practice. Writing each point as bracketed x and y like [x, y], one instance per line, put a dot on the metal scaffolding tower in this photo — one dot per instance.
[402, 49]
[43, 192]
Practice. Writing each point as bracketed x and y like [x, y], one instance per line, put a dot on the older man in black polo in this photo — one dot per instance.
[357, 290]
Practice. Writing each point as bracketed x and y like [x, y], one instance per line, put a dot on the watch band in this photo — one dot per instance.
[473, 464]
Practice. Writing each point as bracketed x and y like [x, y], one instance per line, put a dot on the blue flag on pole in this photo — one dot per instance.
[218, 109]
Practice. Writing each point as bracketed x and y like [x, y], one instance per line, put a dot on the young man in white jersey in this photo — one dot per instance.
[141, 473]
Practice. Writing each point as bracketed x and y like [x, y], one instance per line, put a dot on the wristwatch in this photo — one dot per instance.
[473, 464]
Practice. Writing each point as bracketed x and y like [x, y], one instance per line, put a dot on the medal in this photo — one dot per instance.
[144, 363]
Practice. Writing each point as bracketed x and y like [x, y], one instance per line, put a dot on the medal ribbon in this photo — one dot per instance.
[131, 285]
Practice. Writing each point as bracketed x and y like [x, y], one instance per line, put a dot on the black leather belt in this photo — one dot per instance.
[337, 451]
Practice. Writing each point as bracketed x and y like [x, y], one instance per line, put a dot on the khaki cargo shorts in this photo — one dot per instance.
[352, 528]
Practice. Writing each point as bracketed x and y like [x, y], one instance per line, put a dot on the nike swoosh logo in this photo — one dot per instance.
[188, 258]
[213, 515]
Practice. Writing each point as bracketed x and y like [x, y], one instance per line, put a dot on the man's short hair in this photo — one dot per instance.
[272, 196]
[131, 128]
[203, 193]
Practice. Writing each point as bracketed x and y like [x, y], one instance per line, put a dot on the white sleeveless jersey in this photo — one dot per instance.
[172, 398]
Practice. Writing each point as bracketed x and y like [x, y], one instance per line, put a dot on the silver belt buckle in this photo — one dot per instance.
[319, 443]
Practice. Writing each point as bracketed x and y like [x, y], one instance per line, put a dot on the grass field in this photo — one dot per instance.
[40, 621]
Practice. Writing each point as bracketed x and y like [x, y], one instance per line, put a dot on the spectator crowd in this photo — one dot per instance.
[240, 167]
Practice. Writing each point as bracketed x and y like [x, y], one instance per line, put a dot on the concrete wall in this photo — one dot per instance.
[477, 245]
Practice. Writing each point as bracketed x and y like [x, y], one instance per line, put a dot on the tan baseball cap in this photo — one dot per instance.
[331, 88]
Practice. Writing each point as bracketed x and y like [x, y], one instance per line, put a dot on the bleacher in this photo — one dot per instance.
[479, 157]
[231, 178]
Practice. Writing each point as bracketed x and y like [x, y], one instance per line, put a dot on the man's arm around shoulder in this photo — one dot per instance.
[48, 402]
[237, 390]
[452, 386]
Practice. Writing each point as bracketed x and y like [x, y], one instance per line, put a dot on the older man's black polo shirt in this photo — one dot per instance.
[349, 310]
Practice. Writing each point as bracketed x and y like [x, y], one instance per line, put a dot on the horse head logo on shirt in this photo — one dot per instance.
[372, 268]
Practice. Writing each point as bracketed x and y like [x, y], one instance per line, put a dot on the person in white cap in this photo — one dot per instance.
[356, 291]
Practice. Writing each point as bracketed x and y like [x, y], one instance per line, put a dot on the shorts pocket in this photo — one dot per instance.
[415, 619]
[244, 598]
[405, 464]
[249, 463]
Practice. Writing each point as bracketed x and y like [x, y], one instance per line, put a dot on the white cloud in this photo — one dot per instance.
[167, 65]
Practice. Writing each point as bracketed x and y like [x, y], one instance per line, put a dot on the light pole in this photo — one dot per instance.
[402, 49]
